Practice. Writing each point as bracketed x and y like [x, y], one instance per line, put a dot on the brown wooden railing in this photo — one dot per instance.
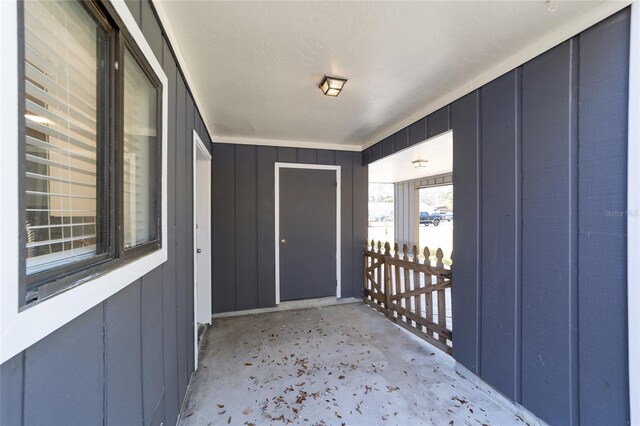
[410, 291]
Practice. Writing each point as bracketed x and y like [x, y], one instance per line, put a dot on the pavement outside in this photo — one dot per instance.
[334, 365]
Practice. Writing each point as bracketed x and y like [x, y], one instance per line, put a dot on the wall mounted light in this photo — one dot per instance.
[332, 86]
[419, 163]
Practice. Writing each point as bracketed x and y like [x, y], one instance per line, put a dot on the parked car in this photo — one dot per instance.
[448, 216]
[427, 218]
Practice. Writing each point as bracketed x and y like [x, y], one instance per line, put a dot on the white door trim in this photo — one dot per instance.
[200, 153]
[278, 166]
[633, 218]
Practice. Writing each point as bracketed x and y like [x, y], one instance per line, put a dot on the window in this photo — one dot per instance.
[140, 151]
[62, 248]
[64, 80]
[91, 150]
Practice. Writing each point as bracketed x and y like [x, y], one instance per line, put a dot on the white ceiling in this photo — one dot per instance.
[398, 168]
[255, 67]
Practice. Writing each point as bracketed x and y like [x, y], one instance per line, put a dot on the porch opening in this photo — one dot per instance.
[408, 259]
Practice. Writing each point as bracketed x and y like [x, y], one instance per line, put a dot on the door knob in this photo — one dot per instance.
[198, 250]
[283, 241]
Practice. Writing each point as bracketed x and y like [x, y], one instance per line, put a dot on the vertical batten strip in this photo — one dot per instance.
[633, 218]
[518, 240]
[574, 398]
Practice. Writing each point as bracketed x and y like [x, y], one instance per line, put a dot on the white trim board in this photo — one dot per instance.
[22, 328]
[200, 153]
[338, 169]
[633, 218]
[316, 303]
[288, 143]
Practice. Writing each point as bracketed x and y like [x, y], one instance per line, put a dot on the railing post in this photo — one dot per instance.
[442, 303]
[380, 270]
[406, 285]
[428, 300]
[417, 300]
[365, 257]
[395, 285]
[387, 280]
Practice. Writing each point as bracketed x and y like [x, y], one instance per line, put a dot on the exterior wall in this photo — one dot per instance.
[243, 216]
[129, 359]
[406, 207]
[540, 170]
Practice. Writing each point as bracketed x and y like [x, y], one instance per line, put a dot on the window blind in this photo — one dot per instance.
[63, 61]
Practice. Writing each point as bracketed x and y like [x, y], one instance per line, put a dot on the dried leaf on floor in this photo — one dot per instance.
[302, 396]
[247, 411]
[460, 400]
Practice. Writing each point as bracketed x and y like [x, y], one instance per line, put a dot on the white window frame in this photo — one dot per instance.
[22, 327]
[338, 170]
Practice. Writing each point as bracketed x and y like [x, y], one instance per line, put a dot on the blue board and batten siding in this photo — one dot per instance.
[540, 177]
[128, 360]
[243, 221]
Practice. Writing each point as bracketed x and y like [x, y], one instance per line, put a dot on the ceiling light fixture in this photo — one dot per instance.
[419, 163]
[332, 86]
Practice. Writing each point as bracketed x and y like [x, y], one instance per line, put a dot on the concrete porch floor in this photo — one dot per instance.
[333, 365]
